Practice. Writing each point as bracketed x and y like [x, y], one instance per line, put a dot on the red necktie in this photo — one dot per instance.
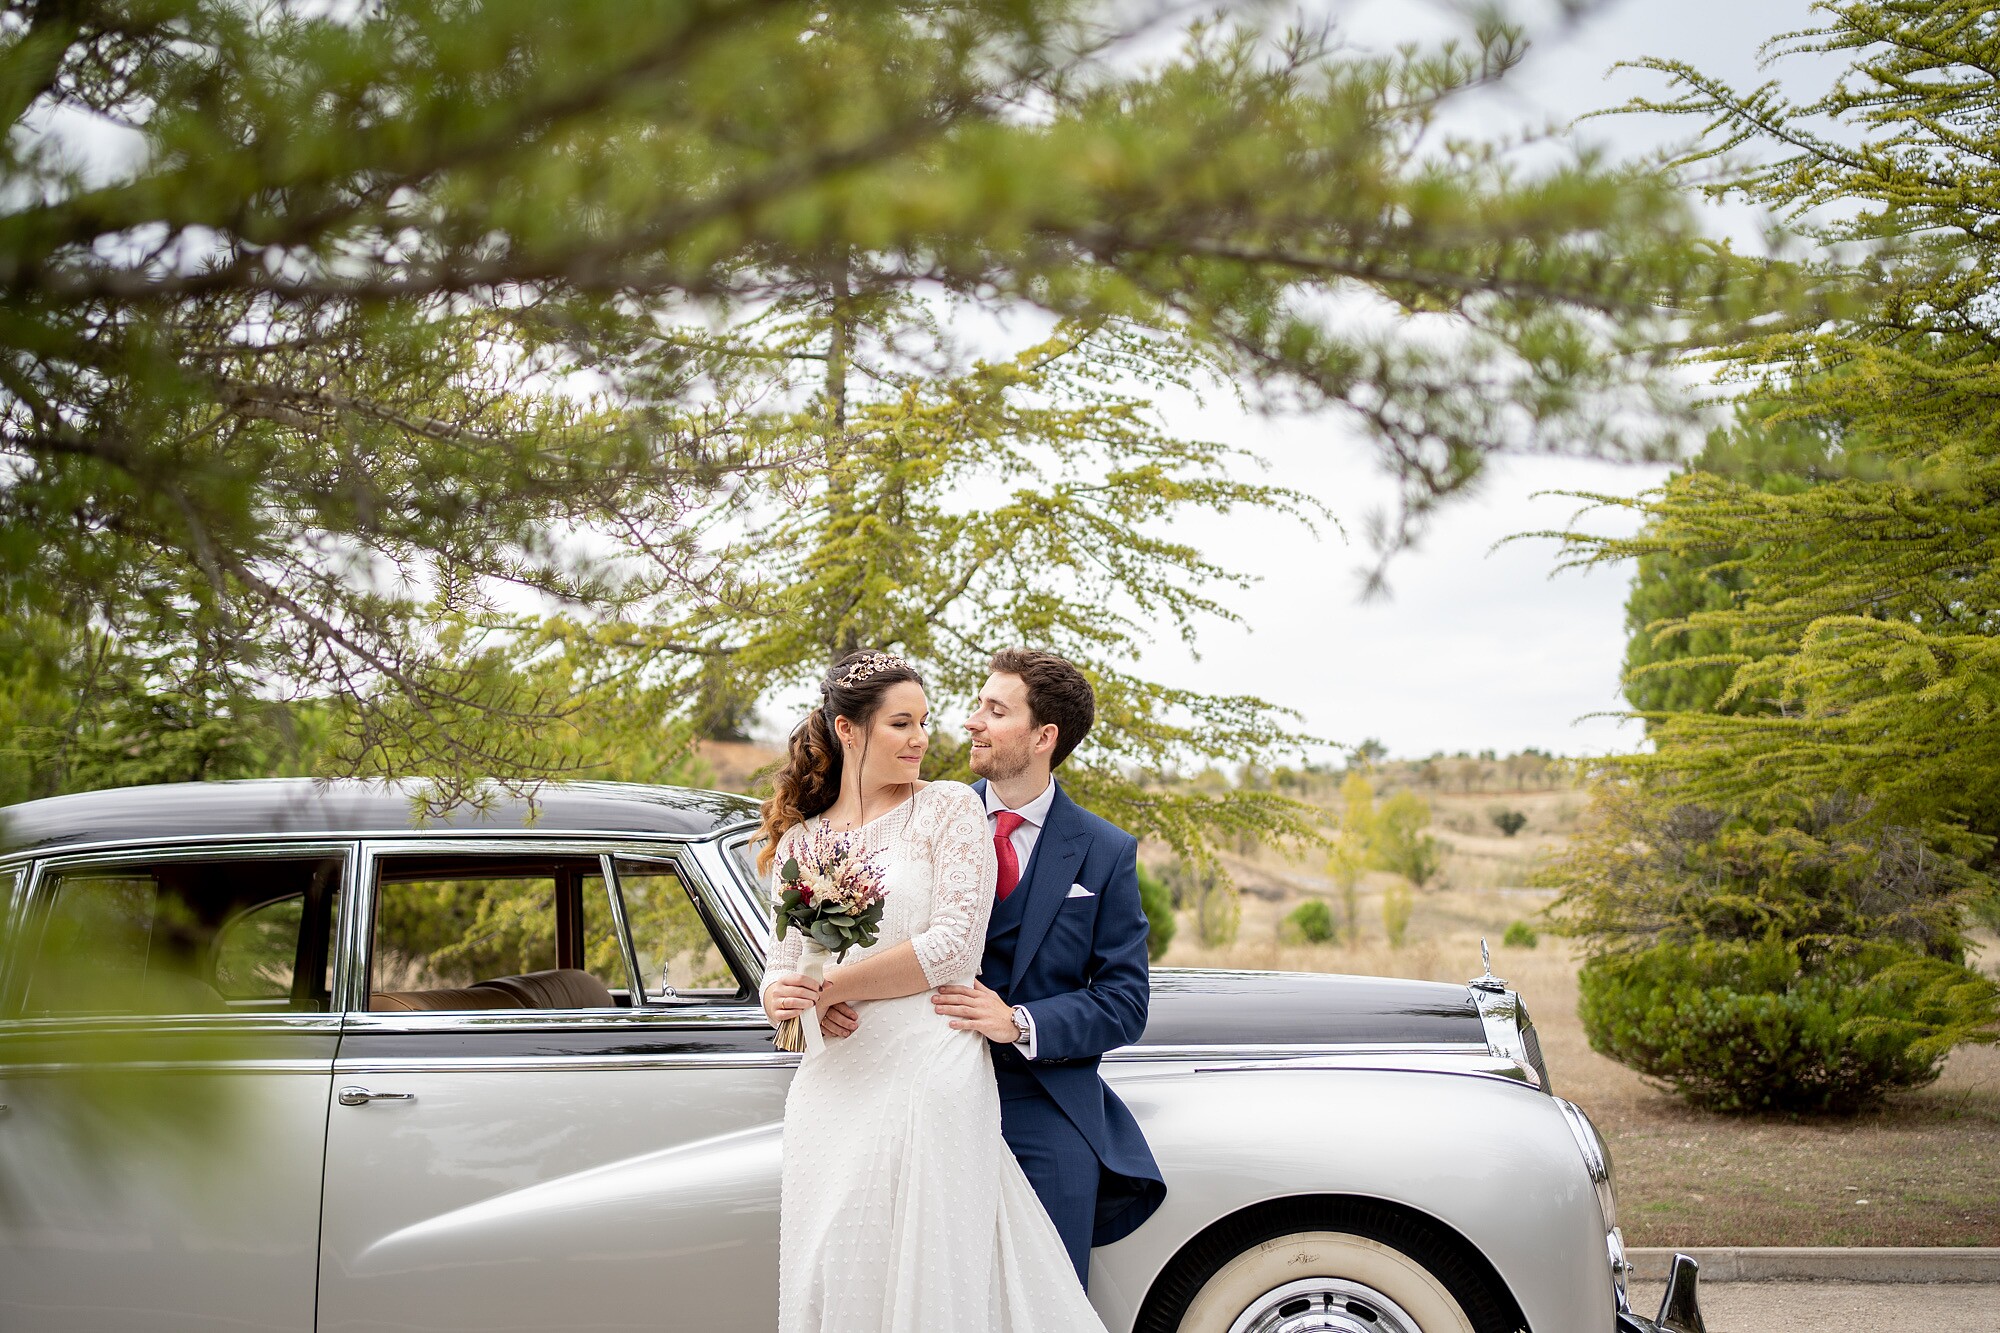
[1004, 825]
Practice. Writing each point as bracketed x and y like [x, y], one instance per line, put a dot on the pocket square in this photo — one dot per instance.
[1078, 891]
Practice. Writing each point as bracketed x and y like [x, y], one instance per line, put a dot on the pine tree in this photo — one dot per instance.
[1865, 624]
[1670, 664]
[1782, 883]
[368, 333]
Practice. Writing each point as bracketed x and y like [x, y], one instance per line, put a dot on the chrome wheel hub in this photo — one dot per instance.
[1324, 1305]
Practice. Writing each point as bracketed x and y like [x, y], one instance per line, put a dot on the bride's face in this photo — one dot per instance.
[897, 737]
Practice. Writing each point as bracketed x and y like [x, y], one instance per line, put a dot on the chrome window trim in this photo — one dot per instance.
[171, 842]
[13, 927]
[744, 901]
[682, 854]
[695, 1018]
[248, 1023]
[635, 985]
[473, 1064]
[735, 911]
[320, 1067]
[32, 905]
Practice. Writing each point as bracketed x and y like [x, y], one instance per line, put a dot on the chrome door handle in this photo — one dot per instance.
[361, 1096]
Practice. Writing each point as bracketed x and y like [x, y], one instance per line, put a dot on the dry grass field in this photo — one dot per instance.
[1922, 1170]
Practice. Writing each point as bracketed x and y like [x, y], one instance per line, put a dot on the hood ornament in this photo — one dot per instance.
[1487, 981]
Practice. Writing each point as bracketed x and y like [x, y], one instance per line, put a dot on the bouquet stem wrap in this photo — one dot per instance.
[802, 1033]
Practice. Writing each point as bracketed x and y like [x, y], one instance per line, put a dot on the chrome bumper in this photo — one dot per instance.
[1680, 1312]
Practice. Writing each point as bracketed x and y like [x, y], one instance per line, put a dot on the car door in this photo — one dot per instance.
[583, 1153]
[167, 1037]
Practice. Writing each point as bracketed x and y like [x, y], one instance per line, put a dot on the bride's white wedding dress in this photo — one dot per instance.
[902, 1210]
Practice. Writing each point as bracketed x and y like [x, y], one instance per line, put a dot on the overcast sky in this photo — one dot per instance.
[1476, 648]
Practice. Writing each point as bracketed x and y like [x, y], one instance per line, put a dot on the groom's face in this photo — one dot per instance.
[1005, 740]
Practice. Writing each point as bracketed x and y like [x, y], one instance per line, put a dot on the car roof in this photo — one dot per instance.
[264, 807]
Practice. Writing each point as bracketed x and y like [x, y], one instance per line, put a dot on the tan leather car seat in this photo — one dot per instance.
[455, 997]
[557, 988]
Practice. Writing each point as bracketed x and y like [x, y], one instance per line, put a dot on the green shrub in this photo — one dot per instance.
[1520, 935]
[1396, 904]
[1217, 916]
[1509, 822]
[1158, 902]
[1399, 841]
[1311, 921]
[1207, 894]
[1734, 1026]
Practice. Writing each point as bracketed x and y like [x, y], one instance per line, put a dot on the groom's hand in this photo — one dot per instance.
[838, 1020]
[976, 1008]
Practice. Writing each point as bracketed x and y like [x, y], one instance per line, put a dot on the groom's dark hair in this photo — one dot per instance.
[1057, 694]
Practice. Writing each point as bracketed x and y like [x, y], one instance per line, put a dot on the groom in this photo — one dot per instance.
[1064, 977]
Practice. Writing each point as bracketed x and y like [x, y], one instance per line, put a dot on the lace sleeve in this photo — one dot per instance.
[962, 878]
[781, 957]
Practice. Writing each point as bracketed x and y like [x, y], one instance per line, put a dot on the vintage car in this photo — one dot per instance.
[504, 1069]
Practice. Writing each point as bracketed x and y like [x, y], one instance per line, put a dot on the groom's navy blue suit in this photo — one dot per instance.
[1078, 965]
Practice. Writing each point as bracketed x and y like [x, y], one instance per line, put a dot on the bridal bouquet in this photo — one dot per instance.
[834, 894]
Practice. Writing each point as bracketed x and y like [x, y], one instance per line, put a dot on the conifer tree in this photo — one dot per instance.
[1865, 625]
[1670, 664]
[342, 343]
[1775, 896]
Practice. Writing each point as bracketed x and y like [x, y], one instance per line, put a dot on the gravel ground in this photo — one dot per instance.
[1812, 1307]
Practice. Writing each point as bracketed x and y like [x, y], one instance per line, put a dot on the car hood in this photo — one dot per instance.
[1217, 1007]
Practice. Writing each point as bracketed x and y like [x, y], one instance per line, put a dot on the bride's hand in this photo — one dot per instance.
[789, 997]
[837, 1018]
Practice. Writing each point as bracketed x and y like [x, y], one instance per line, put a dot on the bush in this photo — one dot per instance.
[1158, 902]
[1509, 822]
[1399, 841]
[1311, 921]
[1206, 893]
[1218, 915]
[1520, 935]
[1734, 1026]
[1396, 905]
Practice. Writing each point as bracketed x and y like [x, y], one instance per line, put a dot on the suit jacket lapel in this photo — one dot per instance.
[1058, 852]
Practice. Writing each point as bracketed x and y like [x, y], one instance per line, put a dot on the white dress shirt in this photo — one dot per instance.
[1033, 815]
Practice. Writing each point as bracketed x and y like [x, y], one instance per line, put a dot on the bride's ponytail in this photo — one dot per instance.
[810, 779]
[805, 786]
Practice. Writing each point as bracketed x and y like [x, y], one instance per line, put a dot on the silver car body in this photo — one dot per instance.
[510, 1170]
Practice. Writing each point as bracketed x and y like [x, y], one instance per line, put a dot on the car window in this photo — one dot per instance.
[460, 933]
[185, 936]
[743, 855]
[257, 951]
[678, 957]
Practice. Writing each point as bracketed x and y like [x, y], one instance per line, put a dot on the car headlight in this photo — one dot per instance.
[1597, 1163]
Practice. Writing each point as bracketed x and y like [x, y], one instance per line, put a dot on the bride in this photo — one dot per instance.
[902, 1210]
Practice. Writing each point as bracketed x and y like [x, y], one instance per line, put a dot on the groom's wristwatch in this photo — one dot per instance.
[1021, 1028]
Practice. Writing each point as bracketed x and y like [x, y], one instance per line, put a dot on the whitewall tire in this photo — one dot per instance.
[1324, 1280]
